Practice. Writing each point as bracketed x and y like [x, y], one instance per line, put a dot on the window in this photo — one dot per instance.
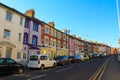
[59, 44]
[34, 40]
[59, 36]
[21, 21]
[64, 45]
[54, 43]
[54, 33]
[35, 27]
[26, 24]
[51, 42]
[47, 30]
[24, 55]
[18, 55]
[8, 16]
[20, 36]
[34, 57]
[10, 61]
[67, 45]
[64, 37]
[25, 40]
[43, 58]
[8, 52]
[46, 41]
[6, 33]
[1, 61]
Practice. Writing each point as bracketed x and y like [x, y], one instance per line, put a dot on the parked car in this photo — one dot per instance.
[62, 60]
[76, 58]
[40, 61]
[86, 57]
[8, 65]
[90, 55]
[96, 55]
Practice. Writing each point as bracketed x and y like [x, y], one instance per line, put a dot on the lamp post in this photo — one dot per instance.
[117, 5]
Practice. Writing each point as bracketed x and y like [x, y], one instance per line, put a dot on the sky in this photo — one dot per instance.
[95, 20]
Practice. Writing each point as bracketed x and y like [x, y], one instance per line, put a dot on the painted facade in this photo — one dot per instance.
[22, 35]
[62, 43]
[11, 32]
[54, 42]
[48, 39]
[72, 45]
[114, 51]
[76, 45]
[32, 35]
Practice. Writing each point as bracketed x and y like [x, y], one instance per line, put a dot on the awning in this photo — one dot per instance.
[34, 48]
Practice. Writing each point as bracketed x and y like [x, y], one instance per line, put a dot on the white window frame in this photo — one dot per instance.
[18, 55]
[6, 33]
[8, 16]
[47, 30]
[21, 21]
[19, 36]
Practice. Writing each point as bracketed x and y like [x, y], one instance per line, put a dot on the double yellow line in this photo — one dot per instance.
[99, 72]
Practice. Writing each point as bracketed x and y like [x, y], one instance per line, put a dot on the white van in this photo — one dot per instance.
[40, 61]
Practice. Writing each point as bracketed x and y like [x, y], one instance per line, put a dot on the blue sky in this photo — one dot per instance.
[90, 19]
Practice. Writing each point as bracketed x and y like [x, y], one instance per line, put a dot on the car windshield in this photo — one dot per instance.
[60, 57]
[71, 57]
[34, 57]
[76, 56]
[1, 61]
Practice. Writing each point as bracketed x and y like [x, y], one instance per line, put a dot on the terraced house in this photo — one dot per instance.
[11, 32]
[22, 35]
[48, 39]
[32, 35]
[54, 42]
[76, 45]
[62, 43]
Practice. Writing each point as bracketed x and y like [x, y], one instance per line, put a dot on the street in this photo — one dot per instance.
[76, 71]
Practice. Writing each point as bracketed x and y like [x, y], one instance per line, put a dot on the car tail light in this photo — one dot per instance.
[72, 58]
[38, 61]
[63, 61]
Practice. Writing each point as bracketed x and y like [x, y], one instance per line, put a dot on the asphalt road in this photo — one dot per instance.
[76, 71]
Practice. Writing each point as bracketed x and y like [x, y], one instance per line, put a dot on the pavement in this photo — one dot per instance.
[112, 71]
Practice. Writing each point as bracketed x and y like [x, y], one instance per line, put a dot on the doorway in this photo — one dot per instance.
[8, 52]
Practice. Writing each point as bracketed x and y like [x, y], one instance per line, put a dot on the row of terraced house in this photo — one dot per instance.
[22, 35]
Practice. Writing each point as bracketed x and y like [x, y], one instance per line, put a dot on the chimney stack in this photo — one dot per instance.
[73, 35]
[30, 13]
[51, 24]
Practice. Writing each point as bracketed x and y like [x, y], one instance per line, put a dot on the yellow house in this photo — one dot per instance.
[11, 32]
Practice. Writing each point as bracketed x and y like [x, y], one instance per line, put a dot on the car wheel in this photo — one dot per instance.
[54, 65]
[42, 67]
[69, 62]
[20, 70]
[63, 63]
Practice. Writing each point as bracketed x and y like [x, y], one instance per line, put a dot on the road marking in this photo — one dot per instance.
[25, 75]
[37, 77]
[64, 69]
[97, 73]
[99, 78]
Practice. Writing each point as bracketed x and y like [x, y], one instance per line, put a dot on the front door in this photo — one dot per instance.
[8, 52]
